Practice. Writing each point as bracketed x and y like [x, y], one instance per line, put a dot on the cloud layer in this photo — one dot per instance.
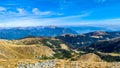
[59, 12]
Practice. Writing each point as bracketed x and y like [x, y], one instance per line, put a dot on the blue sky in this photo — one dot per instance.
[14, 13]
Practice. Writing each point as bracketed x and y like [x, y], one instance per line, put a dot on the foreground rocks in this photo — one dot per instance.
[44, 64]
[65, 64]
[28, 63]
[115, 65]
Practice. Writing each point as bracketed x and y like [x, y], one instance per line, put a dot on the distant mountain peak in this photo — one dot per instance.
[37, 31]
[97, 33]
[51, 26]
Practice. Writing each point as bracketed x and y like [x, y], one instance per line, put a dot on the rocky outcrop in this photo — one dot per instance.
[65, 64]
[45, 64]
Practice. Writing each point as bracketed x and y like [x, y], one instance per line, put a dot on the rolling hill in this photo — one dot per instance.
[34, 48]
[14, 51]
[112, 45]
[79, 40]
[37, 50]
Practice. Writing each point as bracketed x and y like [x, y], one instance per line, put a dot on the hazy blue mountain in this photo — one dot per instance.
[20, 32]
[86, 29]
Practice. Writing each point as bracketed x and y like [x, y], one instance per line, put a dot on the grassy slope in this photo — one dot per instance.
[14, 51]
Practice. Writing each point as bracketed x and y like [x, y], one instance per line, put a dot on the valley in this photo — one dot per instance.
[97, 49]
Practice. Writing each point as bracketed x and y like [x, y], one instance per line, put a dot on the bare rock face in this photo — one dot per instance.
[91, 57]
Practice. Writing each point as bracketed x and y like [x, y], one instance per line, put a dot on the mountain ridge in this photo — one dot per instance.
[21, 32]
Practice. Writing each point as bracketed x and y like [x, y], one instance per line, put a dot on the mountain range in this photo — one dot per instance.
[76, 41]
[70, 36]
[108, 46]
[57, 43]
[21, 32]
[47, 31]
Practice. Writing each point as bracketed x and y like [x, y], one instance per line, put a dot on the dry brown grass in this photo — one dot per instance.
[111, 54]
[60, 63]
[11, 54]
[13, 51]
[91, 57]
[63, 46]
[81, 64]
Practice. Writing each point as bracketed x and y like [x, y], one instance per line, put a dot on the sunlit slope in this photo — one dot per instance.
[91, 57]
[14, 51]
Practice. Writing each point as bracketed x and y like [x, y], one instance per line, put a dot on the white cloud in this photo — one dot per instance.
[10, 13]
[36, 11]
[69, 20]
[37, 20]
[31, 21]
[21, 11]
[3, 9]
[19, 23]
